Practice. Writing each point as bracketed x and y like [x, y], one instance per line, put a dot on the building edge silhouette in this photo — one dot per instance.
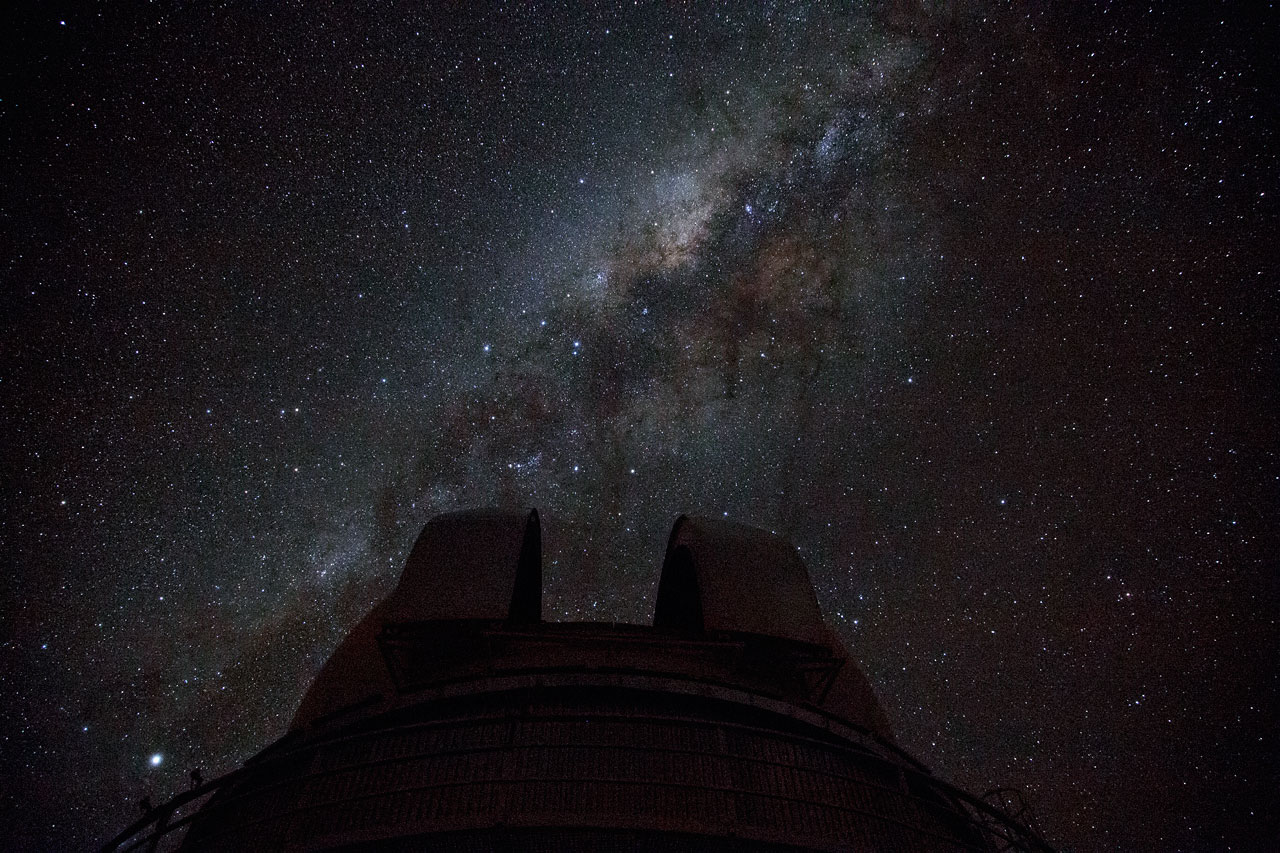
[453, 718]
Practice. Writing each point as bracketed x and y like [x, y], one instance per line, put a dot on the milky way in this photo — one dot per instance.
[971, 305]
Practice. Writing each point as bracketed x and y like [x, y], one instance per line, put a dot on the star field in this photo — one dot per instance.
[975, 304]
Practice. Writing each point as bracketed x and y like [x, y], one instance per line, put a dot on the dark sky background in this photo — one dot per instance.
[976, 304]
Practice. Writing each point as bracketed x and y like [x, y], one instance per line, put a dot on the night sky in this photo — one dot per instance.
[977, 305]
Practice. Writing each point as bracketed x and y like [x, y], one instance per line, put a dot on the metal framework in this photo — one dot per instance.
[164, 827]
[525, 713]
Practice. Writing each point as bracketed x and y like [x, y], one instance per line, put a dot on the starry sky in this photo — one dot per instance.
[976, 303]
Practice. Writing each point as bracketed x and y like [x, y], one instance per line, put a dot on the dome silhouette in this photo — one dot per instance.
[453, 718]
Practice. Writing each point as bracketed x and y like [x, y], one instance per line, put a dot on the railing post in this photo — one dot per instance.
[162, 824]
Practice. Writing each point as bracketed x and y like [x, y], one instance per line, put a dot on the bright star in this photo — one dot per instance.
[156, 759]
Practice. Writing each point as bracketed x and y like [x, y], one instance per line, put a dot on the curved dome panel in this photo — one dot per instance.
[720, 576]
[480, 564]
[724, 576]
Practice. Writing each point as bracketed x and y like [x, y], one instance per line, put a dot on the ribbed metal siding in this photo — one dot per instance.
[583, 760]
